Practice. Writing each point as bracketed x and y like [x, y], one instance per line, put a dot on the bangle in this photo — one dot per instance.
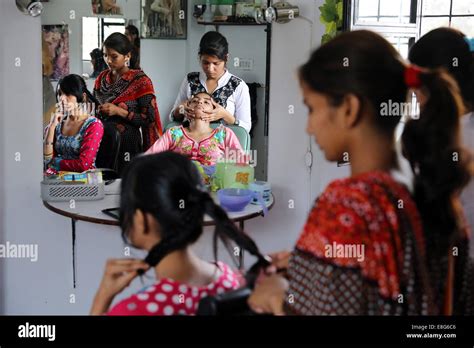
[48, 143]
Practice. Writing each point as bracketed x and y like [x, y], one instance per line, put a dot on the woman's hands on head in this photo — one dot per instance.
[216, 114]
[56, 118]
[268, 295]
[184, 111]
[118, 274]
[280, 261]
[110, 109]
[271, 287]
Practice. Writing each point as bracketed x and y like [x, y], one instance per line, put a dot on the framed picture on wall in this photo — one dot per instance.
[107, 7]
[56, 40]
[164, 19]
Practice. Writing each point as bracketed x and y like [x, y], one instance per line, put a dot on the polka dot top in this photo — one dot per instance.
[169, 297]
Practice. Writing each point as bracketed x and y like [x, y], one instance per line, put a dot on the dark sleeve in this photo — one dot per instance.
[320, 288]
[465, 304]
[141, 112]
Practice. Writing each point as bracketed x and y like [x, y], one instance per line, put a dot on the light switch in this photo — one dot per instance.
[245, 64]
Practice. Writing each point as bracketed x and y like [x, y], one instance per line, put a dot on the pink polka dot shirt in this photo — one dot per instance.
[168, 297]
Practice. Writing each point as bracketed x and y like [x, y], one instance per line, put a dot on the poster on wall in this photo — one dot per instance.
[164, 19]
[107, 7]
[56, 39]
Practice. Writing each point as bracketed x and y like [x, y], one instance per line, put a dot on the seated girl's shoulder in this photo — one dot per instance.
[175, 132]
[94, 122]
[168, 297]
[221, 131]
[229, 280]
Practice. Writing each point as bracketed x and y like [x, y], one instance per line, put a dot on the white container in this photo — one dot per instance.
[261, 187]
[60, 191]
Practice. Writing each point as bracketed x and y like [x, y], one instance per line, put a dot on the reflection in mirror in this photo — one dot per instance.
[80, 29]
[94, 31]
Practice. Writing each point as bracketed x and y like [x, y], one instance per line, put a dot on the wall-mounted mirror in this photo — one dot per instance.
[74, 32]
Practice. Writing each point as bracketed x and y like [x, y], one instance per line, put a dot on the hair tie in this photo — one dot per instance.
[412, 76]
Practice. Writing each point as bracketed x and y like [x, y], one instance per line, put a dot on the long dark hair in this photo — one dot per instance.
[366, 65]
[133, 30]
[120, 43]
[75, 85]
[215, 44]
[168, 186]
[99, 62]
[447, 48]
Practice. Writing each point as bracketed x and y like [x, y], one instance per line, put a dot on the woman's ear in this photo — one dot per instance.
[139, 223]
[352, 108]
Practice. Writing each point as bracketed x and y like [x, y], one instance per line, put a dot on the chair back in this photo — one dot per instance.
[108, 154]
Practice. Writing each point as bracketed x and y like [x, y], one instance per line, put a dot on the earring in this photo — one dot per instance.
[127, 62]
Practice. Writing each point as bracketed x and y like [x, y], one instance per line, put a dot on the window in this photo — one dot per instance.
[95, 30]
[396, 20]
[458, 14]
[379, 11]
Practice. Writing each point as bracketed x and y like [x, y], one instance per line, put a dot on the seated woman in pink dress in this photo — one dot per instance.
[199, 142]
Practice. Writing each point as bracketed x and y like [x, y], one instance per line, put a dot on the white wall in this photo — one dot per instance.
[28, 287]
[45, 287]
[2, 166]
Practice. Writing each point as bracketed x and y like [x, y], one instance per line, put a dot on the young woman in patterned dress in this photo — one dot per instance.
[370, 246]
[127, 100]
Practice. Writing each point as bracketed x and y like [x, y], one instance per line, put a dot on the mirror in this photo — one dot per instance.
[169, 44]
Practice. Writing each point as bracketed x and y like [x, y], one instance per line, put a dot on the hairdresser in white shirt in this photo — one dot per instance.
[230, 93]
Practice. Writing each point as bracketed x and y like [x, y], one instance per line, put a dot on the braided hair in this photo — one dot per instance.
[168, 187]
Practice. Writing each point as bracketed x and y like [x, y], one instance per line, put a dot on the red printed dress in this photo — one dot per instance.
[363, 252]
[355, 255]
[168, 297]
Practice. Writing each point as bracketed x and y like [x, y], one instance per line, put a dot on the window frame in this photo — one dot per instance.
[101, 24]
[450, 16]
[410, 30]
